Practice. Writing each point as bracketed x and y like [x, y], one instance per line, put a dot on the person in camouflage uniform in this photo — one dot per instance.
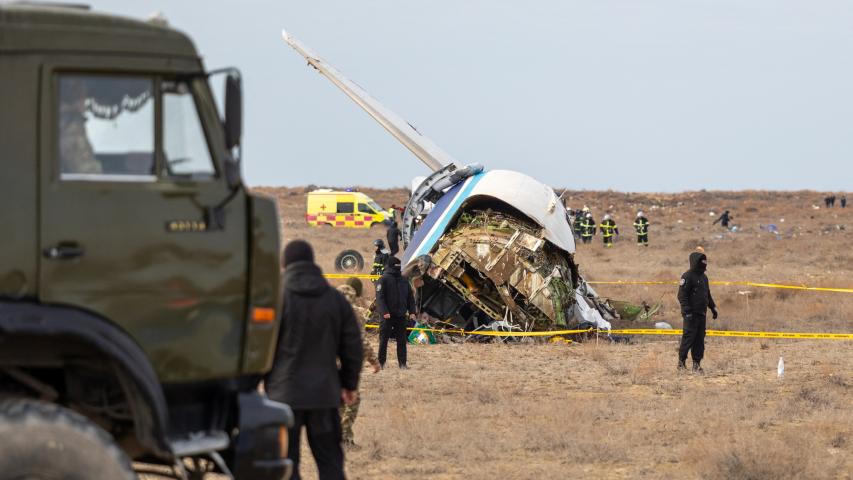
[350, 412]
[75, 151]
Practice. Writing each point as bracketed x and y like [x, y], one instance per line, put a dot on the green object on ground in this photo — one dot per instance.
[421, 337]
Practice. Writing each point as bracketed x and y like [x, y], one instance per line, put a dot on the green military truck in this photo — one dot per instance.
[139, 279]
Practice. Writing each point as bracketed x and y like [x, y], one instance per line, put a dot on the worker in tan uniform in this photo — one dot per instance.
[350, 412]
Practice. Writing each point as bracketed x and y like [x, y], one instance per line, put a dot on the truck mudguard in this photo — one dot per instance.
[32, 319]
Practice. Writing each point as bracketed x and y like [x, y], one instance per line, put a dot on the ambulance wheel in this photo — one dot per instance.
[349, 261]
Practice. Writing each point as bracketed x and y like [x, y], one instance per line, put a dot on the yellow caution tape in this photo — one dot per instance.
[731, 333]
[639, 331]
[816, 336]
[746, 284]
[351, 275]
[492, 333]
[643, 282]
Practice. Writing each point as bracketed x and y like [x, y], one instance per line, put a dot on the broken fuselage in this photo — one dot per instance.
[495, 249]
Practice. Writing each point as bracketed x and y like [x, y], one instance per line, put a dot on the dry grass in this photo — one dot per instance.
[485, 411]
[608, 411]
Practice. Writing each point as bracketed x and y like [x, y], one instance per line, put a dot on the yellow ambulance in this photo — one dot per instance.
[343, 209]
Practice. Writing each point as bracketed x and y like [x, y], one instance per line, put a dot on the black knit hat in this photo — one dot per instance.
[297, 251]
[356, 285]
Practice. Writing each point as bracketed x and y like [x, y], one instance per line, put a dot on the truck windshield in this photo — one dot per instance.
[184, 144]
[375, 206]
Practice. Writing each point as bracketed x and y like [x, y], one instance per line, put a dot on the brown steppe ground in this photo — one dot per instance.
[600, 410]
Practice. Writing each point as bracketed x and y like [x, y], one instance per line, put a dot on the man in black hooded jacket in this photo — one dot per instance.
[393, 237]
[694, 295]
[394, 300]
[318, 329]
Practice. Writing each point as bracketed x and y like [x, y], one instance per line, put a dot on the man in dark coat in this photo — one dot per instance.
[694, 295]
[724, 219]
[318, 330]
[394, 300]
[393, 236]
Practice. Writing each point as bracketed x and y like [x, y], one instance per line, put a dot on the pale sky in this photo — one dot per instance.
[630, 95]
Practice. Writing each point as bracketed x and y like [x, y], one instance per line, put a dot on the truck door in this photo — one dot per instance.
[126, 177]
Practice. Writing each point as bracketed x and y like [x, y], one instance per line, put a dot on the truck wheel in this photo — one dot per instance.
[349, 261]
[44, 441]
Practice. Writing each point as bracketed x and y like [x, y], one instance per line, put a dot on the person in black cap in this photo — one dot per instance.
[694, 295]
[394, 300]
[318, 330]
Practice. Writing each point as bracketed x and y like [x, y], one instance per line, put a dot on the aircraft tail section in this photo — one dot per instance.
[431, 154]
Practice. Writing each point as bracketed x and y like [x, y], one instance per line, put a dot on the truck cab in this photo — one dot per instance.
[139, 279]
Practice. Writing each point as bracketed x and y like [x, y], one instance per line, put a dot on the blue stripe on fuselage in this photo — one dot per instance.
[436, 222]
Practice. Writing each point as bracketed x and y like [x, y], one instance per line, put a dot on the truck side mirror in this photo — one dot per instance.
[233, 110]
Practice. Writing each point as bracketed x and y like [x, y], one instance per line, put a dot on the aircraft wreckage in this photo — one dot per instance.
[485, 249]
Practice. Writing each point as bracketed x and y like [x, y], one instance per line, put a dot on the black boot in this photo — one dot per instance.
[681, 365]
[697, 368]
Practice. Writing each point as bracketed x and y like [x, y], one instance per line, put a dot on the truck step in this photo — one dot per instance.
[198, 443]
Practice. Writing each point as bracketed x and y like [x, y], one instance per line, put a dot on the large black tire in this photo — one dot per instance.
[349, 261]
[44, 441]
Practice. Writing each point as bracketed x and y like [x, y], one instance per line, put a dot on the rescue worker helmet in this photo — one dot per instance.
[607, 217]
[379, 243]
[640, 213]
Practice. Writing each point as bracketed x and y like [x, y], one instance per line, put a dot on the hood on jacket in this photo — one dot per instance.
[698, 262]
[393, 266]
[305, 278]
